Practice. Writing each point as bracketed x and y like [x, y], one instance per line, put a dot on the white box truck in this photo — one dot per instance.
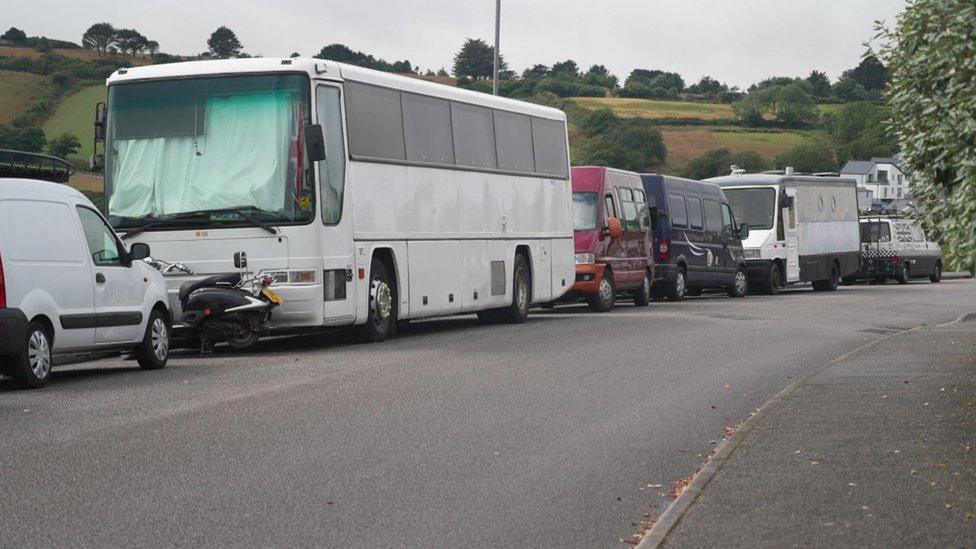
[802, 228]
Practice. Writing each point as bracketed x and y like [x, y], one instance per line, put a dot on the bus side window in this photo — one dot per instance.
[332, 169]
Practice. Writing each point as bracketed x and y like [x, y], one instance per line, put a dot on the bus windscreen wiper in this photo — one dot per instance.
[243, 211]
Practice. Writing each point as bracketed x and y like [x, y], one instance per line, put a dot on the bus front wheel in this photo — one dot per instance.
[381, 318]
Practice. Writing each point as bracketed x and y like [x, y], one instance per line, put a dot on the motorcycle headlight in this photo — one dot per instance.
[751, 254]
[585, 259]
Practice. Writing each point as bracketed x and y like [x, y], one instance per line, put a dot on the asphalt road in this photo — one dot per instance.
[553, 433]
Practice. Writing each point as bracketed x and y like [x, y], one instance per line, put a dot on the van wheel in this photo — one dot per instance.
[381, 316]
[153, 352]
[830, 284]
[603, 300]
[518, 311]
[740, 284]
[31, 369]
[936, 276]
[773, 280]
[678, 288]
[902, 276]
[642, 297]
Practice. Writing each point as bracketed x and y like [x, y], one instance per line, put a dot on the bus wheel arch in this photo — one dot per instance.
[382, 298]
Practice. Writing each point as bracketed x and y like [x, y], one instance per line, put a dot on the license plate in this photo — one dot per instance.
[273, 297]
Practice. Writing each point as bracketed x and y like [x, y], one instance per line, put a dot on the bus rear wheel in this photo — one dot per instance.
[381, 317]
[518, 311]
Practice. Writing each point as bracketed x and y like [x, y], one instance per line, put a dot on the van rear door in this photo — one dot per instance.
[45, 268]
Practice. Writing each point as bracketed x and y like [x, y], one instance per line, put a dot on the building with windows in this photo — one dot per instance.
[883, 176]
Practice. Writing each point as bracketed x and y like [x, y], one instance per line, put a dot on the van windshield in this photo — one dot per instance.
[875, 231]
[585, 211]
[208, 144]
[757, 207]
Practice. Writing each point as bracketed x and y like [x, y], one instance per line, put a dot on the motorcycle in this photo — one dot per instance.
[233, 308]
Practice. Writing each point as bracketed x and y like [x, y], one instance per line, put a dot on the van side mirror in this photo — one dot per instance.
[240, 260]
[139, 250]
[743, 231]
[614, 229]
[96, 162]
[101, 116]
[314, 141]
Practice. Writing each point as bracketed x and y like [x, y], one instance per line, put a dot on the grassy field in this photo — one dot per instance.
[75, 115]
[687, 142]
[647, 108]
[84, 55]
[15, 92]
[659, 108]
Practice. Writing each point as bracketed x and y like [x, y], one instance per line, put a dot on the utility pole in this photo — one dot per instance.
[498, 27]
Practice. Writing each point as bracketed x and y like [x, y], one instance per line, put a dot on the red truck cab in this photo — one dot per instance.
[612, 227]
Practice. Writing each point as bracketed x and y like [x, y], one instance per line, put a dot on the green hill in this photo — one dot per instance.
[15, 91]
[75, 115]
[708, 128]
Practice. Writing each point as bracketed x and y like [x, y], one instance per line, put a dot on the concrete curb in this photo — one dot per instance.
[658, 533]
[956, 275]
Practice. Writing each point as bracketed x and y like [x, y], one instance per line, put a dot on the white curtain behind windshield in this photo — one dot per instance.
[188, 146]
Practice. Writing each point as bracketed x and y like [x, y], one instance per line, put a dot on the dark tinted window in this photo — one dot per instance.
[611, 209]
[728, 220]
[549, 142]
[513, 138]
[875, 231]
[374, 122]
[427, 129]
[695, 212]
[677, 210]
[713, 216]
[474, 136]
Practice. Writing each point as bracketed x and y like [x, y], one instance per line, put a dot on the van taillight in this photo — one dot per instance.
[893, 260]
[3, 287]
[664, 250]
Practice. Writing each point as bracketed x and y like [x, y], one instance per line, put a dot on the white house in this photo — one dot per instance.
[883, 176]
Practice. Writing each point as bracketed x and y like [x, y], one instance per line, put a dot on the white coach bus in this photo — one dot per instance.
[424, 200]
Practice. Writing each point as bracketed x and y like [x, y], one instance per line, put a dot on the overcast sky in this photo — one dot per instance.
[735, 41]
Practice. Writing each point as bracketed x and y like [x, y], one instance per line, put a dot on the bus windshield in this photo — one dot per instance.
[222, 144]
[757, 207]
[584, 211]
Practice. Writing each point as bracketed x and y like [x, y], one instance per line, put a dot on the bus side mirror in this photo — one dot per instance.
[100, 119]
[614, 229]
[314, 141]
[743, 231]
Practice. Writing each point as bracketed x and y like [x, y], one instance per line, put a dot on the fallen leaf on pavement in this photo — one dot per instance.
[814, 462]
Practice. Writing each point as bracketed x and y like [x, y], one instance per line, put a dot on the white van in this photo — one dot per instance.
[802, 228]
[68, 285]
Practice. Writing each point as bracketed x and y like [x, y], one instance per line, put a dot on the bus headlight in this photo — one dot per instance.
[585, 259]
[751, 254]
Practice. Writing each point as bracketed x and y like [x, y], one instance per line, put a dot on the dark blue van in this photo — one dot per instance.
[698, 243]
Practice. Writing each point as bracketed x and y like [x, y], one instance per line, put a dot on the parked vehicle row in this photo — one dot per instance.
[282, 195]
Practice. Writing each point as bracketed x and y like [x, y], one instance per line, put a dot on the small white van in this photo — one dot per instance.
[69, 285]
